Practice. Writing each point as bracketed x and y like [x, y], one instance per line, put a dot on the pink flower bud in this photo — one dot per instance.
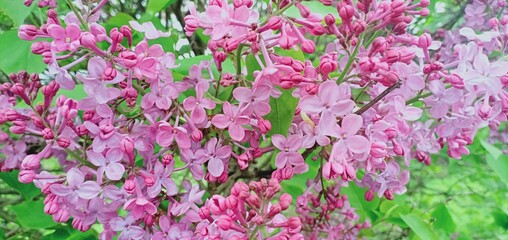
[128, 58]
[27, 32]
[31, 162]
[26, 176]
[167, 159]
[378, 45]
[63, 142]
[231, 202]
[424, 3]
[330, 20]
[129, 186]
[224, 222]
[116, 37]
[294, 224]
[304, 11]
[398, 6]
[61, 216]
[378, 149]
[239, 3]
[78, 224]
[285, 201]
[308, 46]
[47, 134]
[109, 74]
[388, 194]
[51, 207]
[127, 33]
[424, 41]
[149, 220]
[197, 135]
[346, 12]
[264, 125]
[369, 195]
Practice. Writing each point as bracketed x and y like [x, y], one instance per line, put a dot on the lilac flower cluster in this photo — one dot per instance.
[150, 156]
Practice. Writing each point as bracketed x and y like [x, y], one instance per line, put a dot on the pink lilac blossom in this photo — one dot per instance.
[150, 152]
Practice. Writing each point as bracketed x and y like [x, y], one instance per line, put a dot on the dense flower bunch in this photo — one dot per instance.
[126, 149]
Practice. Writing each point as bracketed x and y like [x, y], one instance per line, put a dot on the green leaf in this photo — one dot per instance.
[16, 10]
[28, 191]
[30, 214]
[18, 56]
[443, 218]
[282, 112]
[355, 196]
[118, 20]
[497, 161]
[155, 6]
[419, 227]
[500, 218]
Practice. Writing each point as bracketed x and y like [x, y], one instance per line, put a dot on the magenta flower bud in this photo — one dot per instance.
[116, 37]
[224, 222]
[149, 220]
[47, 134]
[149, 180]
[31, 162]
[109, 74]
[397, 149]
[294, 224]
[369, 195]
[398, 6]
[275, 23]
[27, 32]
[330, 20]
[231, 202]
[389, 79]
[51, 207]
[423, 157]
[61, 216]
[424, 3]
[167, 159]
[78, 224]
[63, 142]
[456, 81]
[378, 149]
[493, 22]
[128, 58]
[51, 13]
[285, 42]
[51, 89]
[127, 33]
[378, 45]
[326, 2]
[47, 57]
[129, 186]
[312, 89]
[28, 3]
[204, 212]
[264, 125]
[304, 11]
[274, 210]
[239, 3]
[388, 194]
[239, 189]
[191, 24]
[81, 130]
[285, 201]
[127, 145]
[88, 40]
[26, 176]
[424, 41]
[359, 26]
[308, 46]
[197, 135]
[484, 111]
[346, 12]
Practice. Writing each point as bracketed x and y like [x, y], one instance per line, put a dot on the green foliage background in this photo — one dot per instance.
[451, 199]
